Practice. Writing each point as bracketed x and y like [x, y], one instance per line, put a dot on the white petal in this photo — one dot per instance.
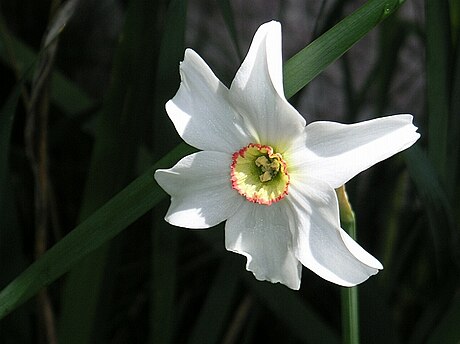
[200, 189]
[257, 91]
[336, 152]
[201, 112]
[261, 234]
[319, 242]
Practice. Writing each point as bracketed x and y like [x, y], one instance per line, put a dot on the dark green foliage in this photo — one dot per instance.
[114, 275]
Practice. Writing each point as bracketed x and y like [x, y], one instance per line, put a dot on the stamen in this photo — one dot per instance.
[268, 166]
[259, 174]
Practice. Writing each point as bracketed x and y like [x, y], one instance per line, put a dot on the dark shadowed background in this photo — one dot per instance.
[90, 118]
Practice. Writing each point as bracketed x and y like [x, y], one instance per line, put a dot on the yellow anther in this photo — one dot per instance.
[262, 161]
[259, 174]
[269, 167]
[265, 177]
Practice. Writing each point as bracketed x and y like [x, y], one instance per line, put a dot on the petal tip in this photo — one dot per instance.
[294, 285]
[271, 25]
[354, 284]
[157, 175]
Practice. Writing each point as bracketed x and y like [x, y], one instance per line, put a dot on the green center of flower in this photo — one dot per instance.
[259, 174]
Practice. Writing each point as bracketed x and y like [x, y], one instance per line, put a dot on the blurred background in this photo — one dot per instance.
[90, 94]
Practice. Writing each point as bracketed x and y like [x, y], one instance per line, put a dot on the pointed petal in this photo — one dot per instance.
[261, 234]
[319, 242]
[200, 189]
[257, 91]
[201, 112]
[335, 152]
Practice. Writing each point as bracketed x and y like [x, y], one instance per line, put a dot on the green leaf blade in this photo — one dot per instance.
[438, 73]
[122, 210]
[314, 58]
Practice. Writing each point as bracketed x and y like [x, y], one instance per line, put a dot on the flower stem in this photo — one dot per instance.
[349, 296]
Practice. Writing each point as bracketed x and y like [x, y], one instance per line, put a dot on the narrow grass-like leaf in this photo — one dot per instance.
[117, 140]
[7, 113]
[391, 38]
[18, 327]
[165, 240]
[226, 9]
[436, 202]
[163, 280]
[60, 20]
[216, 309]
[167, 78]
[438, 47]
[10, 246]
[454, 133]
[391, 257]
[455, 19]
[123, 209]
[319, 54]
[67, 96]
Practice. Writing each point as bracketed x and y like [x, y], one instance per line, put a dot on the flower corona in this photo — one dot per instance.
[259, 174]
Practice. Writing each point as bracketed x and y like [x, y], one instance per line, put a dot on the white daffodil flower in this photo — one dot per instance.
[266, 173]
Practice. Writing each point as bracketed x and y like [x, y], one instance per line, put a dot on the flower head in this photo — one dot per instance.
[266, 173]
